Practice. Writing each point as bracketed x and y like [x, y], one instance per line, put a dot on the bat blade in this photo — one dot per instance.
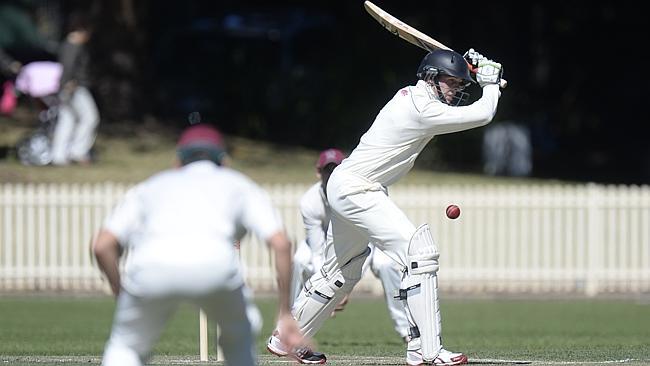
[408, 33]
[403, 30]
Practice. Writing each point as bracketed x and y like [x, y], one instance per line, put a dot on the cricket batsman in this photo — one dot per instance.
[362, 211]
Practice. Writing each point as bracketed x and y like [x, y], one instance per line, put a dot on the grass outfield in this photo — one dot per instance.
[49, 331]
[132, 152]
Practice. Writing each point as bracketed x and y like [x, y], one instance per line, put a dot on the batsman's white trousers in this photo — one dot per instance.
[384, 268]
[75, 131]
[139, 321]
[362, 212]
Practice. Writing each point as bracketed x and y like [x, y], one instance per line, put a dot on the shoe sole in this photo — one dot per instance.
[280, 353]
[276, 351]
[461, 361]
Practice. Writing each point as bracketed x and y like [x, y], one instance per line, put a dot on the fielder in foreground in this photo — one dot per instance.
[309, 256]
[362, 211]
[179, 227]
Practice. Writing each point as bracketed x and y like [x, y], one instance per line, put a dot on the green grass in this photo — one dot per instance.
[132, 152]
[577, 331]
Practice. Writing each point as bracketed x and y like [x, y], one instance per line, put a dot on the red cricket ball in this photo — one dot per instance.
[453, 211]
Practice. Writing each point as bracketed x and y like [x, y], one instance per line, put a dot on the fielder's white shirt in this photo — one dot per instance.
[387, 151]
[315, 212]
[180, 226]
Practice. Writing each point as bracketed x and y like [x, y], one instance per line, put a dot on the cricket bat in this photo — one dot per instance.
[408, 33]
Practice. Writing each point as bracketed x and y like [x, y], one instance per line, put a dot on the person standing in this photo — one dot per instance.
[309, 255]
[78, 118]
[362, 211]
[180, 227]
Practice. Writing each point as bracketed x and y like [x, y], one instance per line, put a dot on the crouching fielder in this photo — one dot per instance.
[362, 211]
[179, 227]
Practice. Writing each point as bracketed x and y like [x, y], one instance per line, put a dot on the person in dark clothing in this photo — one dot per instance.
[78, 120]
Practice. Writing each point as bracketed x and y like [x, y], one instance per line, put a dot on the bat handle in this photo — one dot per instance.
[503, 83]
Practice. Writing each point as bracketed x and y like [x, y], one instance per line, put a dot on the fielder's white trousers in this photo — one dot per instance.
[390, 275]
[303, 268]
[139, 321]
[75, 131]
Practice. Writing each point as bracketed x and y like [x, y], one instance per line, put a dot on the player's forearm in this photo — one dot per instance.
[107, 252]
[455, 119]
[316, 241]
[283, 266]
[110, 268]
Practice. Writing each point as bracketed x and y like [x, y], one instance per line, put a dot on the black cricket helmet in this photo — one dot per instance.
[444, 62]
[450, 63]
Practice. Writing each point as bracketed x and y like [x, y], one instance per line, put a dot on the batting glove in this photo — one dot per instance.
[488, 72]
[473, 57]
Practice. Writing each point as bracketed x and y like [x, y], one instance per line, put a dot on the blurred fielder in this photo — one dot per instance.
[315, 211]
[362, 212]
[179, 227]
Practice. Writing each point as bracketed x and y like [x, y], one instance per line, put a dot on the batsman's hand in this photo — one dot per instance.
[488, 72]
[473, 57]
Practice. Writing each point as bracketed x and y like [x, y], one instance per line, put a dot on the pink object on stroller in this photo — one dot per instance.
[39, 80]
[8, 99]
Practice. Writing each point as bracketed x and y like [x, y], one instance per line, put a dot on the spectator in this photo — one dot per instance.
[75, 132]
[507, 150]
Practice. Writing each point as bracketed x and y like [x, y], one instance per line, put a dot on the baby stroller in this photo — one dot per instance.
[40, 81]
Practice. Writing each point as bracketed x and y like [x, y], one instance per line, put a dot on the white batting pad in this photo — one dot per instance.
[321, 294]
[420, 290]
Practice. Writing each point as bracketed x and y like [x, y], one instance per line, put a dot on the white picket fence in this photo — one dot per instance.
[585, 239]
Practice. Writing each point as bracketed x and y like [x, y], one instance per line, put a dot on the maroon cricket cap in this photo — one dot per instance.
[328, 156]
[201, 135]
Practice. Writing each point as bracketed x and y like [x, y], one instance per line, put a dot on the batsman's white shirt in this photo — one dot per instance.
[387, 151]
[186, 221]
[356, 190]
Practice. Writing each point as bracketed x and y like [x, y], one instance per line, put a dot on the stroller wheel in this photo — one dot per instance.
[35, 149]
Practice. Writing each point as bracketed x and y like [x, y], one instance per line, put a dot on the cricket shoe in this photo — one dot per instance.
[445, 358]
[304, 355]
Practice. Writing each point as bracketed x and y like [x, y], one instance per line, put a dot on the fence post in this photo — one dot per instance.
[595, 239]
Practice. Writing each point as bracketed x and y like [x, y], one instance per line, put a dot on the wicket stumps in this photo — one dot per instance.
[203, 338]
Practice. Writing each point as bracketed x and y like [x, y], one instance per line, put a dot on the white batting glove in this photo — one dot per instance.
[489, 72]
[473, 57]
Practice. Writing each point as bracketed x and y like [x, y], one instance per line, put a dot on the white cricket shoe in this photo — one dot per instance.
[445, 358]
[304, 355]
